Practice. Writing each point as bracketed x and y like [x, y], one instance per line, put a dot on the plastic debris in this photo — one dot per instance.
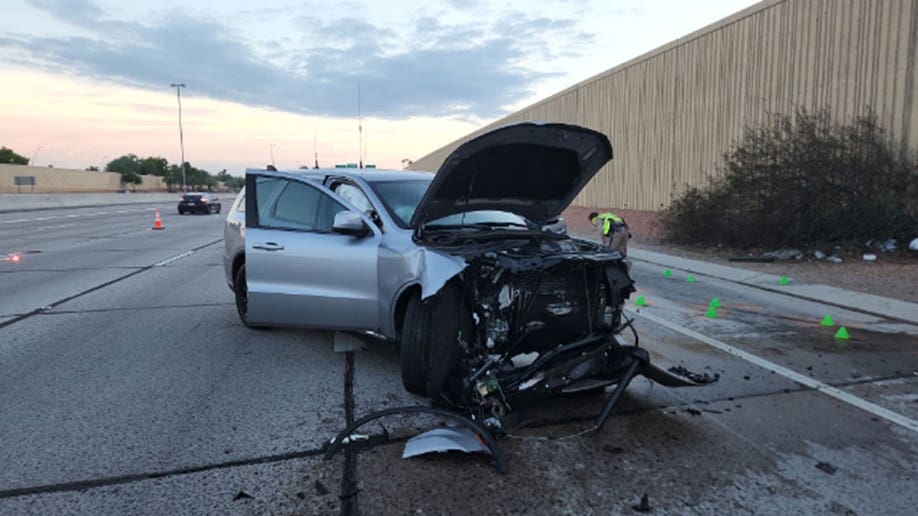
[711, 313]
[783, 280]
[242, 495]
[785, 254]
[826, 467]
[640, 301]
[442, 440]
[690, 279]
[870, 257]
[667, 273]
[819, 255]
[715, 303]
[834, 258]
[827, 321]
[644, 506]
[913, 245]
[842, 334]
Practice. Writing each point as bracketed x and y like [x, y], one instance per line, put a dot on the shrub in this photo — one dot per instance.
[802, 179]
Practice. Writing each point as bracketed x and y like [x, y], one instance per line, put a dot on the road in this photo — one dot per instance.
[128, 385]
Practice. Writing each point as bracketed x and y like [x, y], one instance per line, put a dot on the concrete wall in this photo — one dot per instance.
[672, 112]
[63, 180]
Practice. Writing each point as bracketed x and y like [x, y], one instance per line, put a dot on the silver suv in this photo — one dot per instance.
[457, 268]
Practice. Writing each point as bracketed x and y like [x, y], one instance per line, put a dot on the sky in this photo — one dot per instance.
[86, 81]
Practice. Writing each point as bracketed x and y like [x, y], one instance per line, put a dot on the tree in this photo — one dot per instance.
[92, 168]
[153, 166]
[8, 156]
[129, 168]
[804, 179]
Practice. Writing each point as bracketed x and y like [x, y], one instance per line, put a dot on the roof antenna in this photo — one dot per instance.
[359, 130]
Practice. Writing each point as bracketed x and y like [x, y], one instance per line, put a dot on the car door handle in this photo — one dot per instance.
[268, 246]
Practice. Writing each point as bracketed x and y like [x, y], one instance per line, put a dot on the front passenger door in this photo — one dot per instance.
[299, 272]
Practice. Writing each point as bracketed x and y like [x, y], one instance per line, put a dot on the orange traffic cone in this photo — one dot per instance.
[158, 223]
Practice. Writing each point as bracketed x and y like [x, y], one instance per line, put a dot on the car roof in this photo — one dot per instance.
[367, 174]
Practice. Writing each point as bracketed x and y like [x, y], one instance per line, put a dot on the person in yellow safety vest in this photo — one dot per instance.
[613, 230]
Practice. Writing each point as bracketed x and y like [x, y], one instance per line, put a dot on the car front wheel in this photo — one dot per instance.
[414, 346]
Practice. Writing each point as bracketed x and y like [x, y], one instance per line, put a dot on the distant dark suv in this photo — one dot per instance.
[199, 203]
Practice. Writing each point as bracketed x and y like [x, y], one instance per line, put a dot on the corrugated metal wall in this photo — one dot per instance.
[673, 112]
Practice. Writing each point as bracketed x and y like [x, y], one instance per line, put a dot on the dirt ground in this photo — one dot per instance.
[893, 274]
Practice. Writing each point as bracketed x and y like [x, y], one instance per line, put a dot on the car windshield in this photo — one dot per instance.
[401, 198]
[192, 197]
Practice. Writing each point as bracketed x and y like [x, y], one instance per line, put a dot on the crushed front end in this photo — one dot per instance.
[526, 320]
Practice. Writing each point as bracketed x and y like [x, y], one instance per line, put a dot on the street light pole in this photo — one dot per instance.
[178, 92]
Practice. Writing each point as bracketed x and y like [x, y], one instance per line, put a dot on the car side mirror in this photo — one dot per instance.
[350, 223]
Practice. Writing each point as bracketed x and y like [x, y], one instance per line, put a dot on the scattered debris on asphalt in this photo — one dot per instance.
[870, 257]
[702, 378]
[913, 245]
[826, 467]
[693, 411]
[321, 489]
[242, 495]
[441, 440]
[644, 506]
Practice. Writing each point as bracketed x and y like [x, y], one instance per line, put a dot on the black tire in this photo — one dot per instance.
[218, 208]
[414, 346]
[242, 296]
[181, 212]
[452, 320]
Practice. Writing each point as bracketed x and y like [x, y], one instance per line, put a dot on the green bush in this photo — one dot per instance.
[802, 179]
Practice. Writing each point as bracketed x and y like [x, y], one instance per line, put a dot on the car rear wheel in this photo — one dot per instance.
[414, 346]
[242, 297]
[181, 211]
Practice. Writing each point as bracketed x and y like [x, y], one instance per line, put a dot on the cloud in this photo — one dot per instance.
[436, 69]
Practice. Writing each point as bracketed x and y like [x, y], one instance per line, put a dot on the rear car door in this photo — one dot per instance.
[299, 272]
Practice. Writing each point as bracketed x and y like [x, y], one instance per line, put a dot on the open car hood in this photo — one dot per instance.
[531, 169]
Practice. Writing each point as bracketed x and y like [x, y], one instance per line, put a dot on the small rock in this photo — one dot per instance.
[746, 377]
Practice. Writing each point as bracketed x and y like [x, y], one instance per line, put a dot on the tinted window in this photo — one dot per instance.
[264, 188]
[300, 207]
[297, 207]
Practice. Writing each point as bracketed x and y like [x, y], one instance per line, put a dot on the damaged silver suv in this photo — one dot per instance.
[457, 268]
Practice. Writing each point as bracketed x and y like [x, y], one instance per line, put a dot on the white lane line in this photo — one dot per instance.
[72, 216]
[876, 410]
[174, 258]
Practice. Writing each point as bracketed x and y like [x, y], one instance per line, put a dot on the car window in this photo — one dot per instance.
[265, 187]
[300, 207]
[241, 206]
[297, 207]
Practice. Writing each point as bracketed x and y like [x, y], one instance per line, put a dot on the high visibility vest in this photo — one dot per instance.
[607, 220]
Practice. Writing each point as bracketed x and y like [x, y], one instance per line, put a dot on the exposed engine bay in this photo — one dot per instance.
[529, 318]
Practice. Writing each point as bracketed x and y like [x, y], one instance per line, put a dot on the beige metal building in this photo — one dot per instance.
[673, 112]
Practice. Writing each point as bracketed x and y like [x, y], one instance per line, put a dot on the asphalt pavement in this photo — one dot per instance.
[128, 386]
